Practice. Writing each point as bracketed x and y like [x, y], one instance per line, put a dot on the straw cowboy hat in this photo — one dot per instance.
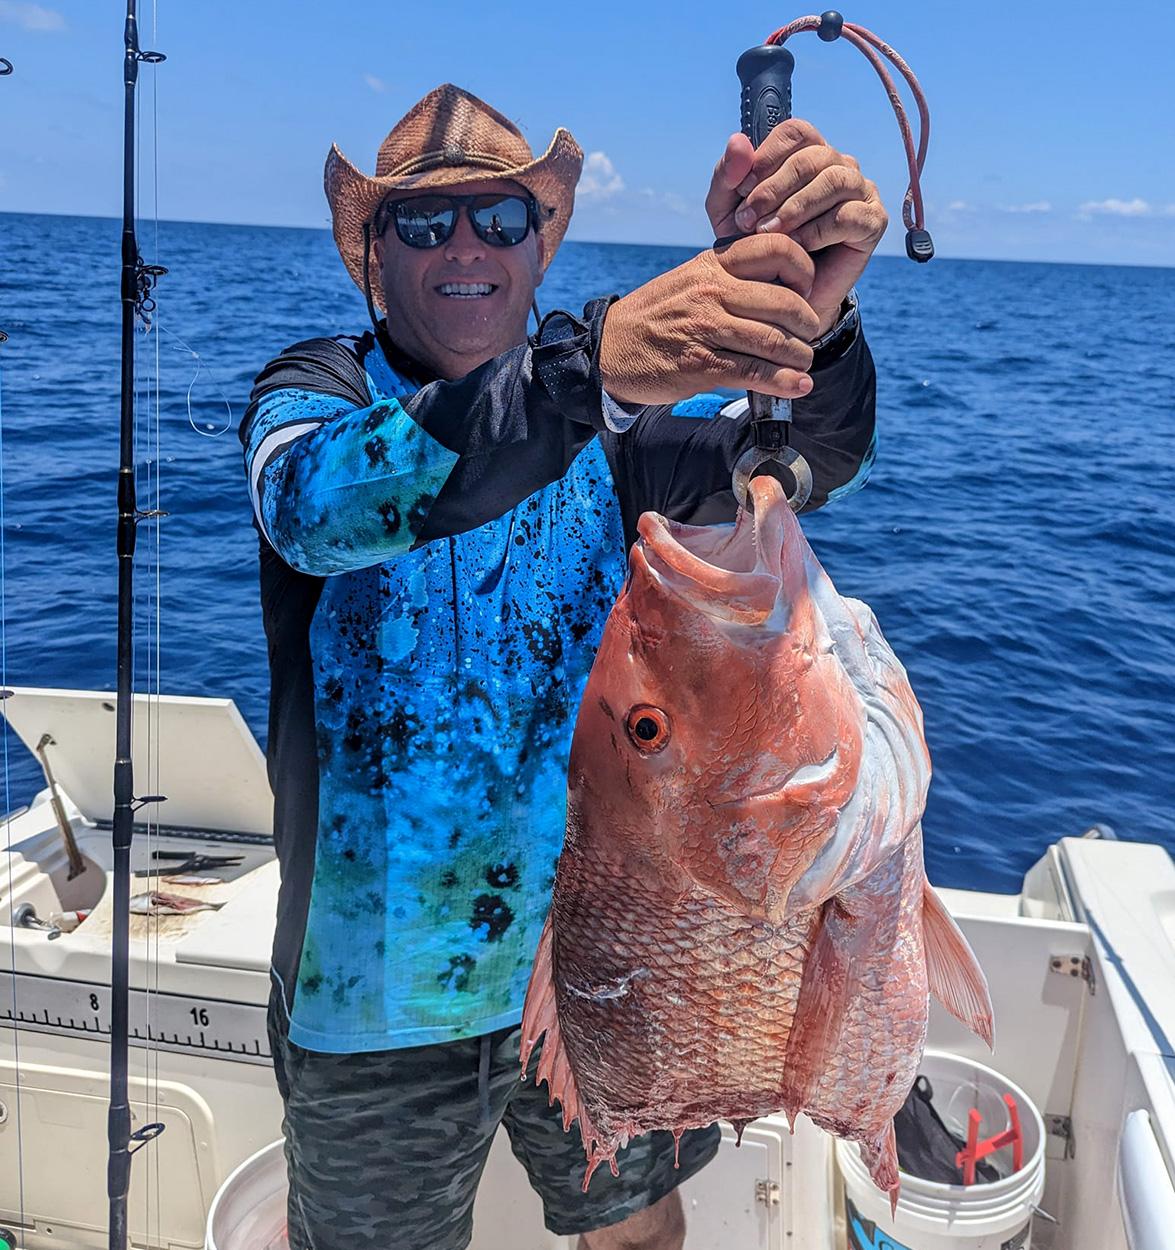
[449, 138]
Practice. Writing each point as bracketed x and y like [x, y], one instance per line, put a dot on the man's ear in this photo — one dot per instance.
[377, 250]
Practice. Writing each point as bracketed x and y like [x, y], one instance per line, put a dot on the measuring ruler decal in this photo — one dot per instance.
[176, 1022]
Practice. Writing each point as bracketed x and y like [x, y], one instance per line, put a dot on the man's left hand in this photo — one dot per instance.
[796, 184]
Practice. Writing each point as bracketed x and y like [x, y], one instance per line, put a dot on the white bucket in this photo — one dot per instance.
[249, 1210]
[933, 1216]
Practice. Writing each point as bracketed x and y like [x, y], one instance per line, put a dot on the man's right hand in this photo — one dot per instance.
[721, 319]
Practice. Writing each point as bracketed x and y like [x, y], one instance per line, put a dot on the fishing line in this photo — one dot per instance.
[8, 804]
[154, 732]
[152, 668]
[142, 382]
[180, 346]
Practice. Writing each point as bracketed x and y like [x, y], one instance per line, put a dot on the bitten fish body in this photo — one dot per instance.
[741, 923]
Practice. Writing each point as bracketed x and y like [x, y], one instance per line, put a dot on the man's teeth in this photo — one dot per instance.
[466, 290]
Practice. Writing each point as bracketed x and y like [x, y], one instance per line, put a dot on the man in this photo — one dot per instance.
[445, 508]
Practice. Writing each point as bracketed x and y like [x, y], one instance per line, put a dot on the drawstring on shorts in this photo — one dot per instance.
[483, 1081]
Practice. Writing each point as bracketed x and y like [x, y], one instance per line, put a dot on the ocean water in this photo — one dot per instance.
[1016, 541]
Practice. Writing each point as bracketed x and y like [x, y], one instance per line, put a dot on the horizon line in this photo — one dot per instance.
[326, 229]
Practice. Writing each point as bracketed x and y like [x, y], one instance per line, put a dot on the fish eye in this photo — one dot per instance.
[648, 727]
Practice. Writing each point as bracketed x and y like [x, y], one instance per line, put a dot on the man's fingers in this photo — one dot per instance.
[852, 222]
[769, 258]
[719, 366]
[806, 177]
[786, 139]
[763, 341]
[836, 185]
[730, 175]
[772, 306]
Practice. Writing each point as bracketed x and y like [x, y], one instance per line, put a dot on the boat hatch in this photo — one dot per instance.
[205, 758]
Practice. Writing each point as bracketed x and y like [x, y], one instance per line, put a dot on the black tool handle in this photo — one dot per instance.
[765, 73]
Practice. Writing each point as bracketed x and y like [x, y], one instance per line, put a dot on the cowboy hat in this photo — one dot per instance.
[449, 138]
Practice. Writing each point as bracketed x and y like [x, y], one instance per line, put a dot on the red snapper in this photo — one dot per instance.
[741, 922]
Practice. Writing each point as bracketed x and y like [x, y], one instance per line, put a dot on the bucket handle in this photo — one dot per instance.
[976, 1149]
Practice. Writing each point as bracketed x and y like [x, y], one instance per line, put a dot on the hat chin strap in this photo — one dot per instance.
[367, 275]
[381, 333]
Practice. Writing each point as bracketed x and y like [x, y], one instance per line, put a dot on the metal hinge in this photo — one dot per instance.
[1074, 966]
[767, 1192]
[1061, 1126]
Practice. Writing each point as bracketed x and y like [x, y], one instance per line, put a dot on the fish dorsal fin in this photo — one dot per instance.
[952, 970]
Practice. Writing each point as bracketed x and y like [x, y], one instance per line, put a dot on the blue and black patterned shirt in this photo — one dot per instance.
[437, 563]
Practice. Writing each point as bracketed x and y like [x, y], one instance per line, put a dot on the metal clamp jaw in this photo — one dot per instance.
[770, 419]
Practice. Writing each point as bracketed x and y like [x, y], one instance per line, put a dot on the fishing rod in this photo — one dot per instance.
[138, 281]
[5, 70]
[765, 74]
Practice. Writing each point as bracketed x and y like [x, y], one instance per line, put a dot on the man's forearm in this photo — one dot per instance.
[338, 487]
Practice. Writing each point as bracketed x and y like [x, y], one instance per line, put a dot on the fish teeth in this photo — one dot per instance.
[465, 289]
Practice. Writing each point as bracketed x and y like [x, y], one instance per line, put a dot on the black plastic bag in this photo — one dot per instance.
[926, 1147]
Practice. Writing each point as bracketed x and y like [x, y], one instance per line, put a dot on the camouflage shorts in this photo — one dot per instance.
[385, 1148]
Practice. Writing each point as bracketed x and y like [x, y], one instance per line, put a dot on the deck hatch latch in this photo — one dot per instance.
[1061, 1126]
[767, 1192]
[1074, 966]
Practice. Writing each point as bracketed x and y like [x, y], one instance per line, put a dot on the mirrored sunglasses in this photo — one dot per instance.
[429, 220]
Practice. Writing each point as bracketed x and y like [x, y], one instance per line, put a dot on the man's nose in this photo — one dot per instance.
[463, 245]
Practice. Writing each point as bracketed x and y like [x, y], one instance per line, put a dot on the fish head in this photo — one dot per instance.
[718, 736]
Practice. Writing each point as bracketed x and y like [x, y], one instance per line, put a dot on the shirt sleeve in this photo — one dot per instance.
[340, 482]
[679, 460]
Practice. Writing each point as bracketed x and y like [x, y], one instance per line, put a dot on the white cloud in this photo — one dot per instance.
[599, 179]
[1038, 206]
[31, 16]
[665, 201]
[1119, 208]
[958, 206]
[376, 84]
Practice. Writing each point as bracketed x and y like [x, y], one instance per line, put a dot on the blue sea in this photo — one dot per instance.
[1016, 541]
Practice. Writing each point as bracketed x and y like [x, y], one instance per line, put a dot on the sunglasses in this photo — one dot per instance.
[429, 220]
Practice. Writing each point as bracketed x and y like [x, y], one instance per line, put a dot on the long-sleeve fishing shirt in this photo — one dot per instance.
[437, 563]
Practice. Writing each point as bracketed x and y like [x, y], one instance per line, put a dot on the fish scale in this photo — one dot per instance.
[682, 1023]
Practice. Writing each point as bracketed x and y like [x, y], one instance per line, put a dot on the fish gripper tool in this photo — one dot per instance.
[765, 74]
[770, 420]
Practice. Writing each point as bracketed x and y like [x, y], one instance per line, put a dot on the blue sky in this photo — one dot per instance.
[1052, 130]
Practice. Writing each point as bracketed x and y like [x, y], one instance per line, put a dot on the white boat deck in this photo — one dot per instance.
[1081, 966]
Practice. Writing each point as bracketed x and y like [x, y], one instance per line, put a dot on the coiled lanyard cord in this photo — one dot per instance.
[830, 26]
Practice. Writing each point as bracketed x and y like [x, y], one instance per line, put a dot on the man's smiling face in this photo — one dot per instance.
[457, 305]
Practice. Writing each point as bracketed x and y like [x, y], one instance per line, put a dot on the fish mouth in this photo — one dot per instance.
[733, 572]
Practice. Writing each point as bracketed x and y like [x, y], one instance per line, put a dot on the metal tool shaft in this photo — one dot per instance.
[765, 76]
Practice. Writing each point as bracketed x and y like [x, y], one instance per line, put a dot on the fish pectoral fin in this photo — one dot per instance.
[953, 972]
[540, 1015]
[815, 1037]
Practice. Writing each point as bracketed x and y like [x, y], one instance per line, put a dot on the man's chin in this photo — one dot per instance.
[480, 341]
